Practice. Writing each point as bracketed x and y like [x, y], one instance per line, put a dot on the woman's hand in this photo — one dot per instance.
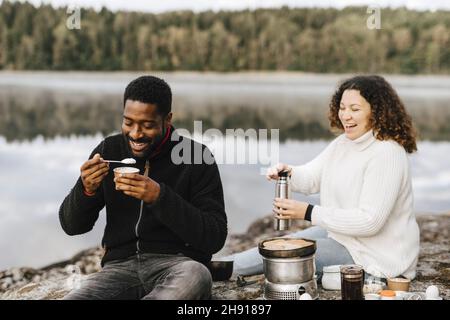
[272, 173]
[289, 209]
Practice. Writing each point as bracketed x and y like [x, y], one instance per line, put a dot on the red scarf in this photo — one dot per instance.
[159, 147]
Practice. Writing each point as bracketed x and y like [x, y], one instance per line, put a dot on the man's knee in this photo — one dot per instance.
[105, 284]
[191, 279]
[201, 281]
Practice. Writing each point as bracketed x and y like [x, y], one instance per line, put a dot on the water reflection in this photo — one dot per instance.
[62, 104]
[38, 175]
[50, 114]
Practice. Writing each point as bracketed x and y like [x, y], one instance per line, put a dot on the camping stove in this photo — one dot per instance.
[284, 291]
[289, 273]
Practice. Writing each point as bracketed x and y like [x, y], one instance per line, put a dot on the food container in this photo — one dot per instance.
[401, 295]
[373, 284]
[398, 284]
[371, 296]
[388, 295]
[331, 279]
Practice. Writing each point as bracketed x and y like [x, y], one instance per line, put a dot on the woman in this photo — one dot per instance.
[365, 214]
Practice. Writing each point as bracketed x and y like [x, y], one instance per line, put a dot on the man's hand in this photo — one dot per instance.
[138, 186]
[93, 172]
[289, 209]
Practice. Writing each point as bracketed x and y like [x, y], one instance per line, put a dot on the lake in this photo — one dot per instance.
[51, 121]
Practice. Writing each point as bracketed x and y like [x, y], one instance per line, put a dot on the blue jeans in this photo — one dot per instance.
[147, 276]
[329, 252]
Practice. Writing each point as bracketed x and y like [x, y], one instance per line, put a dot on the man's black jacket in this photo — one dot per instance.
[188, 217]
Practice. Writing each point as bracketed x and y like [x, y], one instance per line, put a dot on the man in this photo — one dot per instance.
[164, 224]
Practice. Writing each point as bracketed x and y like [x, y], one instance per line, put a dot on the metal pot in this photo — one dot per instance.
[289, 270]
[288, 266]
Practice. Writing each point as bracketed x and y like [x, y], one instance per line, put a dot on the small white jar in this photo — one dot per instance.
[331, 279]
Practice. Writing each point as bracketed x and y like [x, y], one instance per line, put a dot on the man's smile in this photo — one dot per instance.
[138, 145]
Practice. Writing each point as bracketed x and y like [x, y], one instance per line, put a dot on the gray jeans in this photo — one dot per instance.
[147, 276]
[329, 252]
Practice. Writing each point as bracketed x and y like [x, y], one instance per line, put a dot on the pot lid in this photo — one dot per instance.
[288, 247]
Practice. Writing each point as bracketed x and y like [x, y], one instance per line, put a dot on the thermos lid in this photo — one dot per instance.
[283, 174]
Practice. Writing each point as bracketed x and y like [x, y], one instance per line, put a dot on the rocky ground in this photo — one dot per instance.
[55, 281]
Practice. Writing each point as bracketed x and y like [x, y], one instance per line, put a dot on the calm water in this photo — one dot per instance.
[38, 173]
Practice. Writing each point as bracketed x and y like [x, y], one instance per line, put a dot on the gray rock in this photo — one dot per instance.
[56, 280]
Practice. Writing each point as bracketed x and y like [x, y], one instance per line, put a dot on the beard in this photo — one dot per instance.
[153, 143]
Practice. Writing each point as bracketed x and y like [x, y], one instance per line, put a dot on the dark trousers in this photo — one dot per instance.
[147, 276]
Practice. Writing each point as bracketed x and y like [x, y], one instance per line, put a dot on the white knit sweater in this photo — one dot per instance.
[366, 202]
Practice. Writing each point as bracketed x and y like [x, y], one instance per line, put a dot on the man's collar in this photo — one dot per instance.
[163, 142]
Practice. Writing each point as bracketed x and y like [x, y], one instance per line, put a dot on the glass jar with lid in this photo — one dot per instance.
[352, 281]
[331, 278]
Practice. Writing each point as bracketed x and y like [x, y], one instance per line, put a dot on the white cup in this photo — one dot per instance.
[121, 170]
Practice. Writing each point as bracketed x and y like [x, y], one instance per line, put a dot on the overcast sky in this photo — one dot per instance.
[202, 5]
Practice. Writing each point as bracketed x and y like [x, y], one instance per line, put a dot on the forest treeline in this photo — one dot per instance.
[311, 40]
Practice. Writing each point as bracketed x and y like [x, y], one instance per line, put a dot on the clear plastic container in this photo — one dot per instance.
[374, 282]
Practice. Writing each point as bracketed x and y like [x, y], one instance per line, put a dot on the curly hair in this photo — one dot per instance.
[388, 120]
[150, 89]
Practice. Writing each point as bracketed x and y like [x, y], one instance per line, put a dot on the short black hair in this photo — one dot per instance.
[150, 89]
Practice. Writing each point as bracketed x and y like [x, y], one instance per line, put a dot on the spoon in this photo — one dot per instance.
[125, 161]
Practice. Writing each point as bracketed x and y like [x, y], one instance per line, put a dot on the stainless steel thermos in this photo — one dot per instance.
[283, 191]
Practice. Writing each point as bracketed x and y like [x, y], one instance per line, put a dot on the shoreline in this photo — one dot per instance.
[55, 280]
